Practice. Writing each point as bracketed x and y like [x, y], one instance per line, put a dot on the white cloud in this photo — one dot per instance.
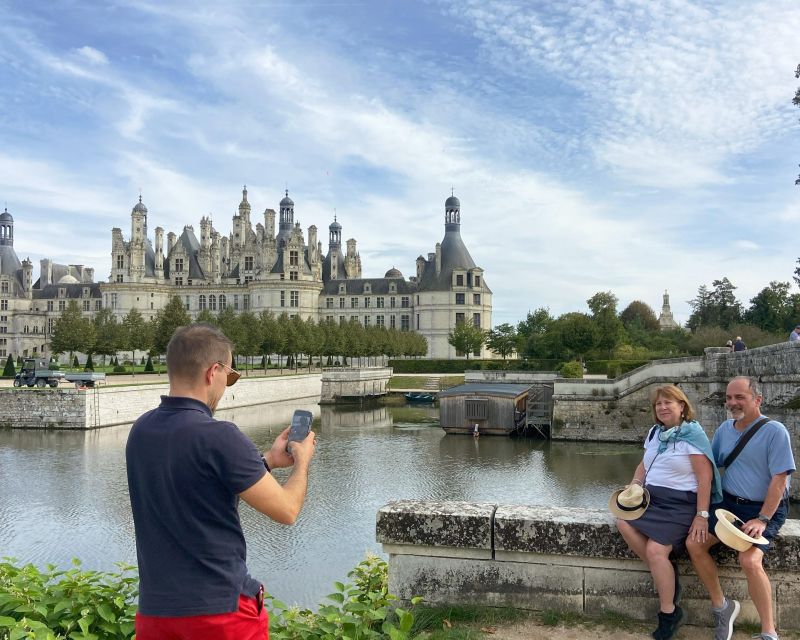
[92, 55]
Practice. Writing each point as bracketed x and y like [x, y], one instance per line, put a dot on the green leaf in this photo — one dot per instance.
[336, 597]
[106, 613]
[7, 622]
[339, 586]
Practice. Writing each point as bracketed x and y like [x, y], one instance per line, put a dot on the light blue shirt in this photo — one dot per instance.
[768, 453]
[794, 336]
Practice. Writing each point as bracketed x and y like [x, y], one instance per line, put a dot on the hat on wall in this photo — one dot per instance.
[729, 531]
[629, 503]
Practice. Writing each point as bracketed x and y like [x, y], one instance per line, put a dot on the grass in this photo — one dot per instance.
[461, 622]
[397, 383]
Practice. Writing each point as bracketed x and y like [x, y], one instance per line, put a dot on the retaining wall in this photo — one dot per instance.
[364, 382]
[70, 408]
[542, 558]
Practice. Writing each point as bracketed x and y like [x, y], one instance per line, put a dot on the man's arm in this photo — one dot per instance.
[775, 492]
[283, 503]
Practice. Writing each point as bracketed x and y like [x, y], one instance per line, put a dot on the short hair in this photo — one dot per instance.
[671, 392]
[753, 384]
[194, 348]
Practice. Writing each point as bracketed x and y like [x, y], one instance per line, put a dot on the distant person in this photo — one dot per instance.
[675, 482]
[739, 345]
[729, 344]
[186, 473]
[794, 336]
[475, 432]
[756, 490]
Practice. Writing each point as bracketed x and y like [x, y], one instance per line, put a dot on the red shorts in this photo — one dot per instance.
[250, 622]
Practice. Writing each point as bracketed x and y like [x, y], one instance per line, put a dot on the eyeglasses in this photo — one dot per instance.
[233, 374]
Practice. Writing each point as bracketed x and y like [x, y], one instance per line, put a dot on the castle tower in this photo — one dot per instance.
[27, 277]
[244, 208]
[6, 229]
[138, 241]
[286, 222]
[665, 321]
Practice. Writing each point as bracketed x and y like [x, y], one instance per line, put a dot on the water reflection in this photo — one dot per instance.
[64, 494]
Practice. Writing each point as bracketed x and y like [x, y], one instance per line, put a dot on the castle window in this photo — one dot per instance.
[62, 292]
[3, 329]
[404, 323]
[294, 259]
[476, 319]
[119, 277]
[392, 302]
[405, 302]
[178, 282]
[379, 321]
[98, 304]
[3, 287]
[248, 263]
[353, 303]
[379, 302]
[366, 321]
[294, 298]
[186, 303]
[477, 281]
[86, 292]
[329, 303]
[245, 302]
[460, 280]
[178, 264]
[212, 302]
[367, 302]
[113, 306]
[342, 320]
[476, 298]
[236, 301]
[49, 305]
[329, 319]
[293, 275]
[189, 283]
[222, 301]
[392, 287]
[86, 305]
[248, 279]
[342, 289]
[25, 329]
[459, 319]
[459, 298]
[417, 322]
[283, 298]
[62, 304]
[283, 277]
[3, 305]
[341, 303]
[367, 287]
[120, 262]
[201, 302]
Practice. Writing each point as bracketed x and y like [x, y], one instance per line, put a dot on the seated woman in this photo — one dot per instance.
[678, 473]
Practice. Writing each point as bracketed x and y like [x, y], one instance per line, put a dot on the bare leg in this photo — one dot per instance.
[706, 568]
[663, 573]
[759, 587]
[636, 540]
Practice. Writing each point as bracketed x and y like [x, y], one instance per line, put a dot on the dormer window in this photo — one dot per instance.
[460, 280]
[62, 293]
[248, 263]
[367, 287]
[178, 264]
[342, 289]
[392, 287]
[86, 292]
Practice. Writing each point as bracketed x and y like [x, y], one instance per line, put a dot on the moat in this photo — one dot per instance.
[64, 494]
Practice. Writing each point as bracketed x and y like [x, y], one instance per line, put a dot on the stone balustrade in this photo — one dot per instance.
[565, 559]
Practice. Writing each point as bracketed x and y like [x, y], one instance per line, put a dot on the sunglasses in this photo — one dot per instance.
[233, 374]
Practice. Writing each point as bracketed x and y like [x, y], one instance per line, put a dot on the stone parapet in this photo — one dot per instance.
[344, 382]
[543, 558]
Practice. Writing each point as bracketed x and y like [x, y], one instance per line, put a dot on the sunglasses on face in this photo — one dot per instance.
[233, 374]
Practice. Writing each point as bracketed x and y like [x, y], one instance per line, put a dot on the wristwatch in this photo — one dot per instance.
[763, 518]
[703, 514]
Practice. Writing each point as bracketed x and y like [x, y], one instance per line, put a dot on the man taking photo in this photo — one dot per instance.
[186, 473]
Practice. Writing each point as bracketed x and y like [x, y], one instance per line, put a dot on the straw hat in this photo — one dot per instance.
[729, 532]
[629, 503]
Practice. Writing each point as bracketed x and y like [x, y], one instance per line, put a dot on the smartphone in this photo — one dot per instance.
[301, 425]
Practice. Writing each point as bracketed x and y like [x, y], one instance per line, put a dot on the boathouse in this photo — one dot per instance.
[497, 408]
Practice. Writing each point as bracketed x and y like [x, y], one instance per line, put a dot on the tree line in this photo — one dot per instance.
[254, 336]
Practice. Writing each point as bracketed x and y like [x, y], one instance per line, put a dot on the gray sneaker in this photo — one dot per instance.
[723, 620]
[763, 636]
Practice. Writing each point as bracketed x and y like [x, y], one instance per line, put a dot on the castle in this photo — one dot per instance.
[252, 268]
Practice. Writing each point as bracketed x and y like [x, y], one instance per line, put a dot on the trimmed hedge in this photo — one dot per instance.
[460, 366]
[613, 368]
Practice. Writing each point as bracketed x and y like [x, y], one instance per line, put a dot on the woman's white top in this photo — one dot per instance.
[671, 468]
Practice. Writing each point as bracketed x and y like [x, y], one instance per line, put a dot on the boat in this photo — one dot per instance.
[419, 397]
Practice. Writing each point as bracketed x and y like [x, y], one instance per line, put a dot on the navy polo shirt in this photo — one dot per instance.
[185, 471]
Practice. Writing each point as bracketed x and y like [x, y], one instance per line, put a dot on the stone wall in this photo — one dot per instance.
[541, 558]
[70, 408]
[342, 382]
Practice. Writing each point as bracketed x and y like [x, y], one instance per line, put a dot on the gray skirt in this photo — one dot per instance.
[669, 516]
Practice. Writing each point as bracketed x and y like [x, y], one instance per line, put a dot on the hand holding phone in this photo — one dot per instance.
[300, 428]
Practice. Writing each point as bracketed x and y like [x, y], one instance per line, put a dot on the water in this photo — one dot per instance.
[64, 494]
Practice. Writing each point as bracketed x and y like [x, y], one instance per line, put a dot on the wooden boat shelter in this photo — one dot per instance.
[497, 408]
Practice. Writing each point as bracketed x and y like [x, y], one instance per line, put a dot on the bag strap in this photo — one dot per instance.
[740, 445]
[653, 430]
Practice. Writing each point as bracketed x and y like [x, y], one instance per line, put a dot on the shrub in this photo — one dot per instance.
[73, 603]
[120, 369]
[9, 371]
[89, 363]
[148, 367]
[143, 361]
[75, 363]
[573, 369]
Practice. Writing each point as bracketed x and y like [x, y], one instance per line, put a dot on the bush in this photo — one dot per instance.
[73, 603]
[148, 367]
[120, 369]
[9, 371]
[89, 363]
[75, 363]
[573, 369]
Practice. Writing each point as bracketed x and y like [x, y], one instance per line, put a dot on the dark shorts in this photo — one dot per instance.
[747, 512]
[669, 516]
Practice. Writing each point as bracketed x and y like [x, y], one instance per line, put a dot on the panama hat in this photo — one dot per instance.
[729, 532]
[629, 503]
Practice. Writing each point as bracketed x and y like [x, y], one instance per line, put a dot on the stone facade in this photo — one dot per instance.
[544, 558]
[366, 382]
[70, 408]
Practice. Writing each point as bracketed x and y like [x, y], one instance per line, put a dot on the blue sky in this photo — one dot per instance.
[629, 145]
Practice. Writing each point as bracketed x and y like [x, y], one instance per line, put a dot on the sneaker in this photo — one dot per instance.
[763, 636]
[723, 620]
[668, 624]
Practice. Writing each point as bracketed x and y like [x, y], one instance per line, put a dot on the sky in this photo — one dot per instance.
[632, 146]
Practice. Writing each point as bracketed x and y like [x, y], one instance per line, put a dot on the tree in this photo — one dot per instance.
[167, 320]
[609, 329]
[108, 334]
[249, 335]
[531, 334]
[716, 307]
[639, 315]
[502, 339]
[466, 338]
[271, 334]
[89, 363]
[72, 332]
[9, 371]
[135, 334]
[770, 308]
[572, 335]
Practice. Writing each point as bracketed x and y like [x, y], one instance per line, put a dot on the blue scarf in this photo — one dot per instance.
[693, 434]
